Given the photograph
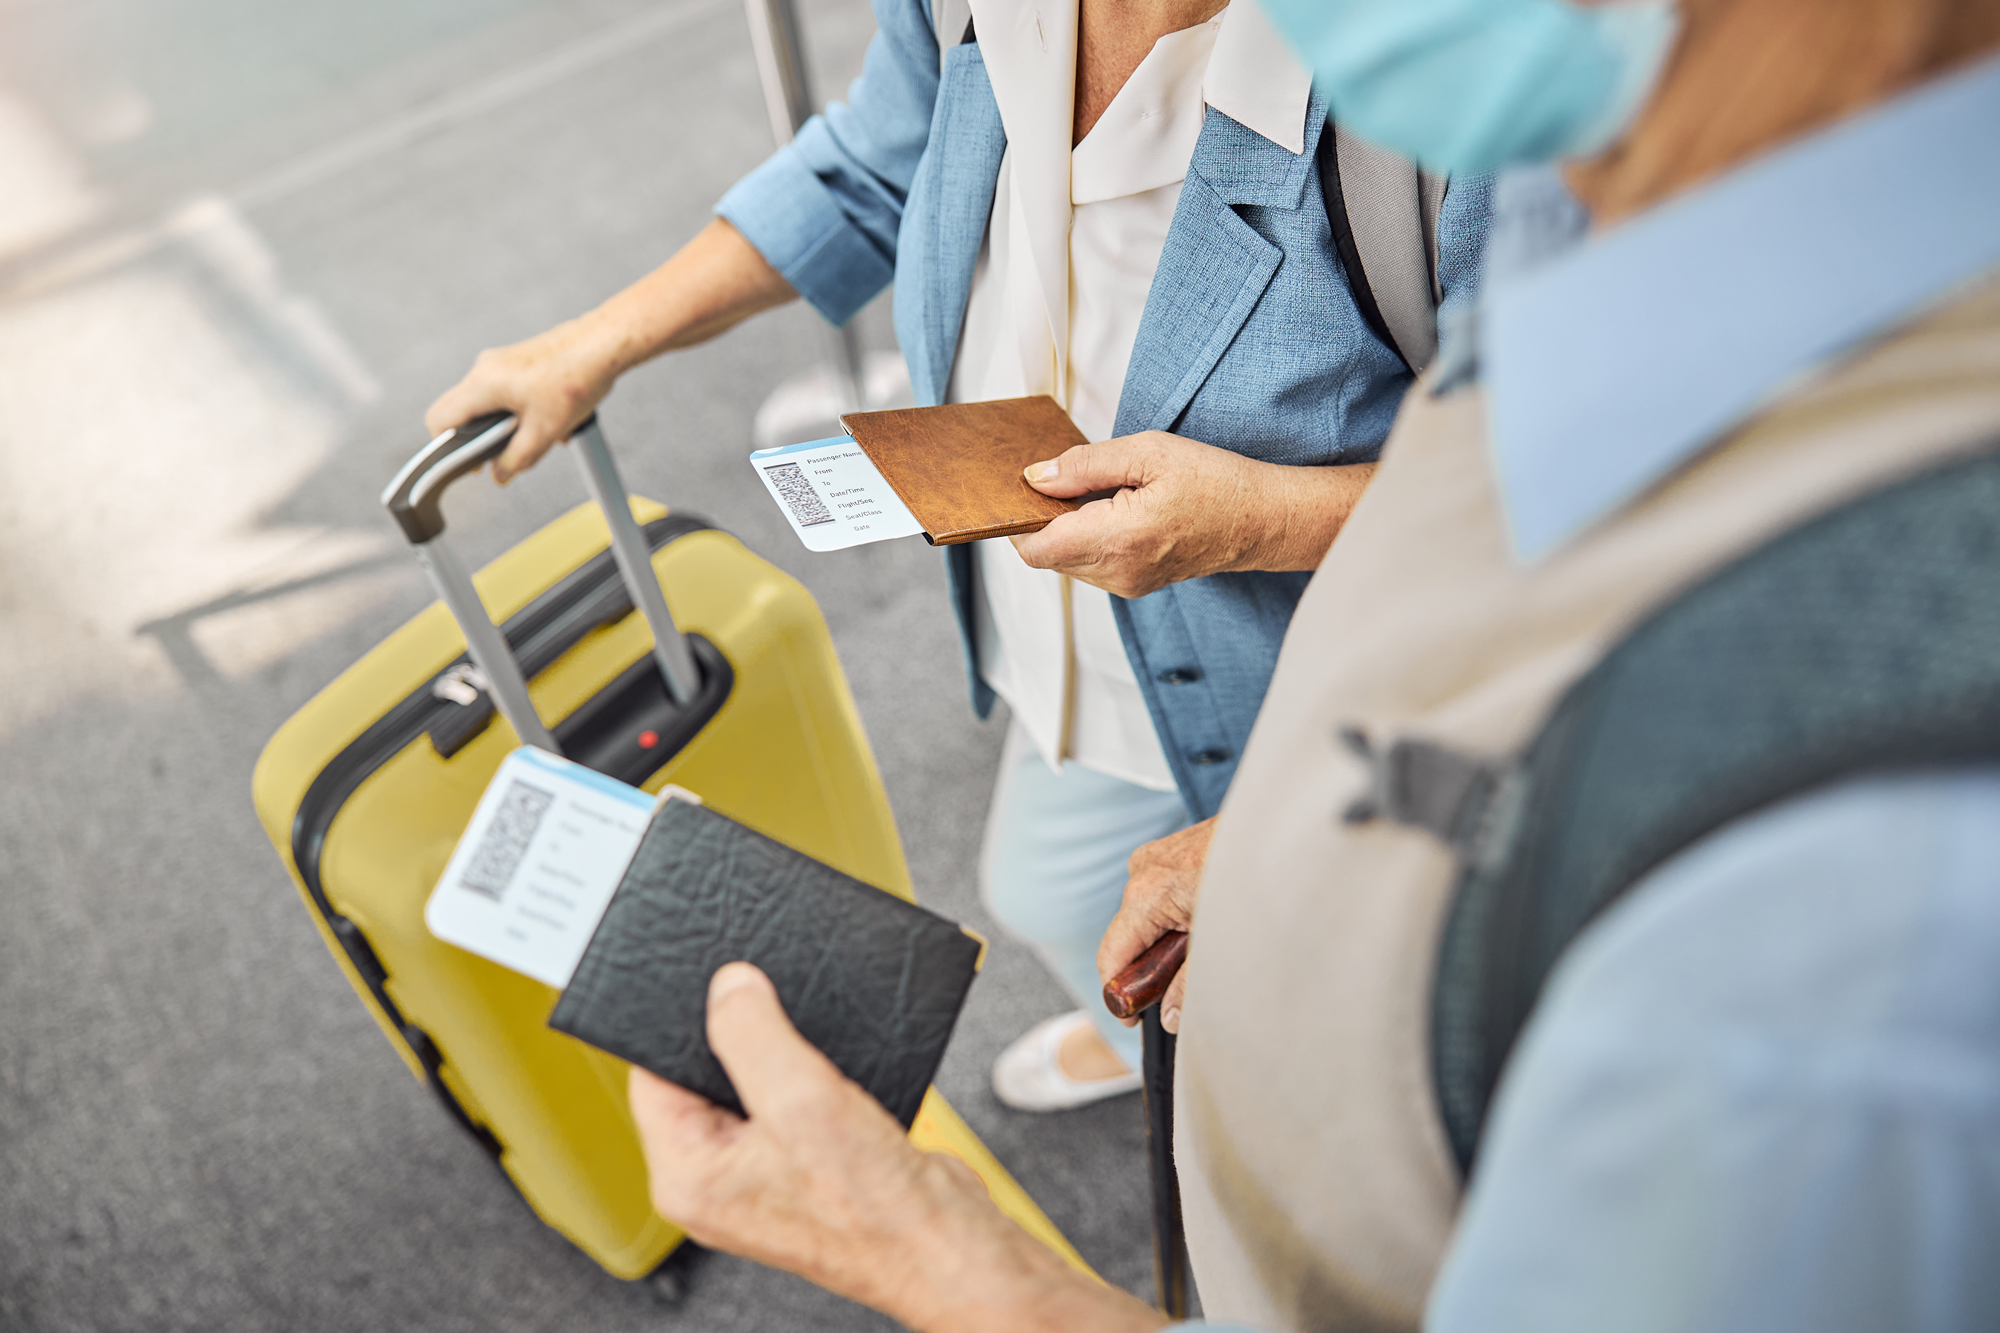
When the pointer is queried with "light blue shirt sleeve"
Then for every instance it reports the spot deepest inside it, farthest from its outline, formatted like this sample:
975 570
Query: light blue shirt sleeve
824 209
1763 1092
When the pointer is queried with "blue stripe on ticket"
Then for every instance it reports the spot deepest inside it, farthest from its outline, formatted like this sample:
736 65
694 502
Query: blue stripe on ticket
589 777
784 449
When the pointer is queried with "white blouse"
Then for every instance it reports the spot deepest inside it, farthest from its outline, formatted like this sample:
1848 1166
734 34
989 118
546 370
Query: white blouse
1061 283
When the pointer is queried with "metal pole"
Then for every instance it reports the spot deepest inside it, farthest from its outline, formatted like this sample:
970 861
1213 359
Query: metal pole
850 378
781 68
781 65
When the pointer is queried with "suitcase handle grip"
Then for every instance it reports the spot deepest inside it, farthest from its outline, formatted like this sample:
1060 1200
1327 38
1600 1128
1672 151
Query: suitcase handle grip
415 500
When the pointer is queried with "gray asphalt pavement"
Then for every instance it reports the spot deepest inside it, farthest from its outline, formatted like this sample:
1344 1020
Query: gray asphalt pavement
241 247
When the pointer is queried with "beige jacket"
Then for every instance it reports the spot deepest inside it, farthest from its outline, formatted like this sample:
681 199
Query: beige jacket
1317 1184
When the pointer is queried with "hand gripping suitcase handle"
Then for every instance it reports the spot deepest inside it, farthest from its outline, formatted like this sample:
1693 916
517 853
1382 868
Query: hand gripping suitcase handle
414 499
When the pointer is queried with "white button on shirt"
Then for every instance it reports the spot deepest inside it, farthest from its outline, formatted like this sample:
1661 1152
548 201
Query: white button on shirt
1056 300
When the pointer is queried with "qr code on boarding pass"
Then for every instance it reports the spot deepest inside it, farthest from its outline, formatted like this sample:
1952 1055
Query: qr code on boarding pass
799 496
499 852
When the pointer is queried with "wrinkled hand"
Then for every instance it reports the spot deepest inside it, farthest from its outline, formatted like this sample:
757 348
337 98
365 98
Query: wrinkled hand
553 381
1180 509
1164 876
550 383
821 1181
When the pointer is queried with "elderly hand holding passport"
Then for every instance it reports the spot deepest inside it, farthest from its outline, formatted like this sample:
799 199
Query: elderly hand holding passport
1129 515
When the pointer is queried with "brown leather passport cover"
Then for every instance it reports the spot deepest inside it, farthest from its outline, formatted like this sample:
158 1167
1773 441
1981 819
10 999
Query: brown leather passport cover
873 981
958 467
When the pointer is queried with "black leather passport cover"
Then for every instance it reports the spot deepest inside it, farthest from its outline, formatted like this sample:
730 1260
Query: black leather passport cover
873 981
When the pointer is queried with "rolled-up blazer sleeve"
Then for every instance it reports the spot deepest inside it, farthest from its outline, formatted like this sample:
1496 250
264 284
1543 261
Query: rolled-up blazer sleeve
825 208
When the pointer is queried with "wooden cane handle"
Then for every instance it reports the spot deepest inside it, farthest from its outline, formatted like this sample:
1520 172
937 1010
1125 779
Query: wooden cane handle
1141 985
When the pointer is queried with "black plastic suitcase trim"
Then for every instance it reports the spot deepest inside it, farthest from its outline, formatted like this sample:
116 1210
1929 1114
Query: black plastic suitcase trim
589 596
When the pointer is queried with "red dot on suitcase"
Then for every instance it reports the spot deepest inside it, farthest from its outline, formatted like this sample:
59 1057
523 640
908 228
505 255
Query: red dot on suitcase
648 739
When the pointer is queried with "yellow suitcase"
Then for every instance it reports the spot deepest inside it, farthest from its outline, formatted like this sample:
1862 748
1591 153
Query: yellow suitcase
738 697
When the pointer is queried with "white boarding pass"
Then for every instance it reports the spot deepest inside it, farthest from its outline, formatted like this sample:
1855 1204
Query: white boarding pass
538 864
832 494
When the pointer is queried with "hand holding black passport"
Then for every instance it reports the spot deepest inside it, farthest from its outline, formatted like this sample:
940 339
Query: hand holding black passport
873 981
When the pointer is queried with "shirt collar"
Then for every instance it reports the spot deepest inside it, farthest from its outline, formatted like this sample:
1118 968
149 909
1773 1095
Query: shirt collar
1254 79
1146 137
1252 76
1609 366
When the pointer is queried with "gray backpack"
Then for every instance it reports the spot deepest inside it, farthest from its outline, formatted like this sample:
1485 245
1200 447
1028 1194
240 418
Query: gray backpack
1865 640
1384 215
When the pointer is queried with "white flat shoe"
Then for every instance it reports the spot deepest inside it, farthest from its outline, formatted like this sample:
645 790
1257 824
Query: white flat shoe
1028 1076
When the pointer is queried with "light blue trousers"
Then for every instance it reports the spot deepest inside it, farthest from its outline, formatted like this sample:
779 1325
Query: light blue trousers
1053 867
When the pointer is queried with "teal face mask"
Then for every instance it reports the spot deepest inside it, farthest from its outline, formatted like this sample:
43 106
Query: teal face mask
1473 85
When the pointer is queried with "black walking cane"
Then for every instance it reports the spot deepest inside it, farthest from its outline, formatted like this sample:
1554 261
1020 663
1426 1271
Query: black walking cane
1137 990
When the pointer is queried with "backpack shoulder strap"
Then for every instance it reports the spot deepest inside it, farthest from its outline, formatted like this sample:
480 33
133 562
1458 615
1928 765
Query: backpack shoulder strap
1430 194
1862 641
1383 214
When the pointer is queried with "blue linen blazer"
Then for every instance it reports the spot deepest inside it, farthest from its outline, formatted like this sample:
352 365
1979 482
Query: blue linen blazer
1250 339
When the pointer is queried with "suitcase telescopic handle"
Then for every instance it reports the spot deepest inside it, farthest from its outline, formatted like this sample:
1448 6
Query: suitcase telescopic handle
415 500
